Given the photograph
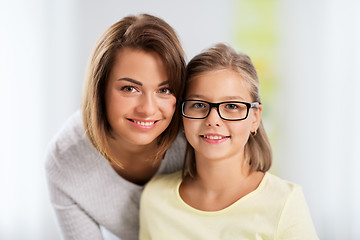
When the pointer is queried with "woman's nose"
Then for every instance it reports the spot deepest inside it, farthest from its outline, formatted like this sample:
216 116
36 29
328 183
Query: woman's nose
147 105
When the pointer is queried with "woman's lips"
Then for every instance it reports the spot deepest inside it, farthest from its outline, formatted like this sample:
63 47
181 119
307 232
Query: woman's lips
144 124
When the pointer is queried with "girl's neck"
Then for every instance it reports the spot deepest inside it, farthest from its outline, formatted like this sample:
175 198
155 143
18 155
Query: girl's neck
218 184
221 174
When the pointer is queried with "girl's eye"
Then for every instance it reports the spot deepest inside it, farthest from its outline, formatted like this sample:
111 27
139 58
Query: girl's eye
198 105
128 89
165 90
232 106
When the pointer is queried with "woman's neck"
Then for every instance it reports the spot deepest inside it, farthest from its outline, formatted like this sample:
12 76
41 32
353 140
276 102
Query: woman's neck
134 163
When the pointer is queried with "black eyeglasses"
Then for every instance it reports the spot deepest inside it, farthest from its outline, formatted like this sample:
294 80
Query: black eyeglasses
230 111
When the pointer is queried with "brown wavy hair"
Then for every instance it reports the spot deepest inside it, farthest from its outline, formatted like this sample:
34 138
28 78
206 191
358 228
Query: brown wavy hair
258 153
142 32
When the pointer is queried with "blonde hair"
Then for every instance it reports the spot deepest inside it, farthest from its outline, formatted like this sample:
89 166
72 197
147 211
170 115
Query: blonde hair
143 32
258 153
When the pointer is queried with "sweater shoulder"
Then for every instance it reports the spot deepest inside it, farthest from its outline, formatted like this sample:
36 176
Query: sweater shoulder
174 157
70 134
68 145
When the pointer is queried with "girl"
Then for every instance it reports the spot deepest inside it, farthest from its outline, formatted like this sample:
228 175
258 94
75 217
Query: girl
225 191
125 134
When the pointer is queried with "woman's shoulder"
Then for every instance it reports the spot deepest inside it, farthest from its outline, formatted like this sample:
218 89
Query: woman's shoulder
70 134
179 145
174 157
69 144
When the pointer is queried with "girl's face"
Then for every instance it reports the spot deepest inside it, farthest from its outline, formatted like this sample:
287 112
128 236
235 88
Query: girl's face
139 103
213 137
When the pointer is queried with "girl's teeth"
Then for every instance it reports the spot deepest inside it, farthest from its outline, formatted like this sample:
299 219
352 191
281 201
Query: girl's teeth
213 137
144 123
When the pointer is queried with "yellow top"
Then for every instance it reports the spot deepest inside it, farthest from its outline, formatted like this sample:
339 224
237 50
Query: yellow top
275 210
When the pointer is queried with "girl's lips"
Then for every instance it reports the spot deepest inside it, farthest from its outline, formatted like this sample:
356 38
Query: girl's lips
214 138
143 124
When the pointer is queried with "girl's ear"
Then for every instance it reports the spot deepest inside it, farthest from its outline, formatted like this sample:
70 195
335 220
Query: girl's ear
257 118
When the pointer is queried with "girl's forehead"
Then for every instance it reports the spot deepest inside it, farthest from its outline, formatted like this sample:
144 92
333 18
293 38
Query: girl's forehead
218 84
220 75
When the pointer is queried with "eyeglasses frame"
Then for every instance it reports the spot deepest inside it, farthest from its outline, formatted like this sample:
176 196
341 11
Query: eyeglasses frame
216 105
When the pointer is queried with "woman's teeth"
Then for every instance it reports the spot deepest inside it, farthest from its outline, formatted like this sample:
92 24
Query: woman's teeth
144 123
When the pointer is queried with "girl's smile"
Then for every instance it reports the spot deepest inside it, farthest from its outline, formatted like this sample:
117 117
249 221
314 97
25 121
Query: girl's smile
214 138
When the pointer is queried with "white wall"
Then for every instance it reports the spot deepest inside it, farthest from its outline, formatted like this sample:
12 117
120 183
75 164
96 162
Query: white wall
318 107
44 48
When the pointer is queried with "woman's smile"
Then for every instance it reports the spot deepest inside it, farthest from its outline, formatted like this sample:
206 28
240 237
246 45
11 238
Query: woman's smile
144 124
139 102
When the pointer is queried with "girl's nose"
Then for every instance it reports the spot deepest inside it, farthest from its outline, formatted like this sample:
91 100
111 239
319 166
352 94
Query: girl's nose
214 118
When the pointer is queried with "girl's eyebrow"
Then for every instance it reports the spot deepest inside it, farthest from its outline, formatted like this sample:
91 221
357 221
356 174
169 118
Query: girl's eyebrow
233 98
195 96
226 98
138 82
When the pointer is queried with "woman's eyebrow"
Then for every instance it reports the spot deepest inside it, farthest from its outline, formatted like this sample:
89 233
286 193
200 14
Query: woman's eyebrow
163 83
140 83
130 80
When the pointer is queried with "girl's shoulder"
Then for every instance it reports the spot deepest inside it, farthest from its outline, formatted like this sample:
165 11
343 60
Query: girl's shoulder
278 182
165 181
288 201
274 187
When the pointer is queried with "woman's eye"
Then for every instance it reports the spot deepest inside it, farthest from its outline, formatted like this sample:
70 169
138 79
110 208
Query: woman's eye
128 89
165 90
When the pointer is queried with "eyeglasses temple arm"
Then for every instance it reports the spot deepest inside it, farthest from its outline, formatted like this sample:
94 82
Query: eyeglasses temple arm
254 105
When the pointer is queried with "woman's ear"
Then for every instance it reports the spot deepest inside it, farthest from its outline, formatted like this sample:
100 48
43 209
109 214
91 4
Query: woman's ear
257 118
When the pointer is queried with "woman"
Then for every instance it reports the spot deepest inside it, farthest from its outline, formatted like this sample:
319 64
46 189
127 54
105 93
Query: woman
126 133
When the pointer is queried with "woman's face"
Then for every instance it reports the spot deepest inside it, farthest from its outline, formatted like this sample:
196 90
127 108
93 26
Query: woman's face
139 103
213 137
